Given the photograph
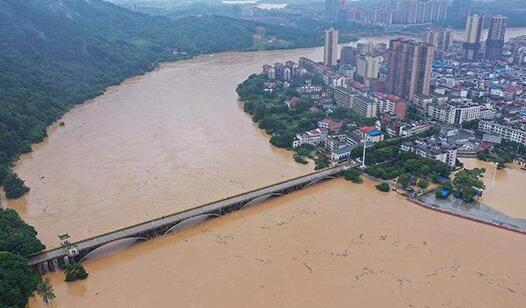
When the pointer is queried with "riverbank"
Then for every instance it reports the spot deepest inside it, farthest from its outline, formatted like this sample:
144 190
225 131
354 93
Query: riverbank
474 211
504 188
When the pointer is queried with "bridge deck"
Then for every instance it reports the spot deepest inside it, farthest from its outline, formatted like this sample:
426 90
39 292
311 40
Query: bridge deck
171 219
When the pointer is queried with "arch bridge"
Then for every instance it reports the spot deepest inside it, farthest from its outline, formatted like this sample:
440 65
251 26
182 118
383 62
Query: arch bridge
51 259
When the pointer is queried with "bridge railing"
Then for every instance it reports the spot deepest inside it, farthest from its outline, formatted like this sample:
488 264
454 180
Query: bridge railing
190 209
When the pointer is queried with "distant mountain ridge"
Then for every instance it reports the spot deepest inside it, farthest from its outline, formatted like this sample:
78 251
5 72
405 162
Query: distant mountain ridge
57 53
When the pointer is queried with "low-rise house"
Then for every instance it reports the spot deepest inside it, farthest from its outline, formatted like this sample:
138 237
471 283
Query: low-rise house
269 86
329 124
487 113
292 102
372 134
454 113
507 132
342 153
432 149
415 128
312 137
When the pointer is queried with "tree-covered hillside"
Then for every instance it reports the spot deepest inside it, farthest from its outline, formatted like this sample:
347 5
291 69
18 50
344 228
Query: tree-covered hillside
57 53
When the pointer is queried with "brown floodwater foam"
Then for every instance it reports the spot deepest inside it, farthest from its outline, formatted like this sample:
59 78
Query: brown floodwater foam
335 244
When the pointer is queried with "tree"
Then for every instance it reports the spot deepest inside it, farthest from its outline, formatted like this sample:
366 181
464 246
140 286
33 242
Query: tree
321 162
75 271
4 171
404 180
14 187
466 183
353 175
423 184
300 159
45 290
384 186
17 282
16 236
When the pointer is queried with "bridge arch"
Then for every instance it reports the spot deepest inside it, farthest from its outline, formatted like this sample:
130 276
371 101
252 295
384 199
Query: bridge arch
86 255
260 199
190 220
328 177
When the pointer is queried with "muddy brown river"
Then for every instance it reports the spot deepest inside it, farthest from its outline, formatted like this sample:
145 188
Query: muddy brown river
176 138
504 188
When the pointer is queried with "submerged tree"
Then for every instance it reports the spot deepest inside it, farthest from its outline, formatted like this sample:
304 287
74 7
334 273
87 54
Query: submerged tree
14 187
75 272
384 186
45 290
354 176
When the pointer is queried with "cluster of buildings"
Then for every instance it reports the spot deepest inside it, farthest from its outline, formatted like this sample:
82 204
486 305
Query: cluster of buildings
404 12
408 86
494 42
419 11
433 149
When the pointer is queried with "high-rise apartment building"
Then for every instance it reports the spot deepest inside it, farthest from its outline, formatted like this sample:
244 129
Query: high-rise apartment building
365 48
441 39
364 106
419 11
473 36
368 67
410 64
495 40
348 55
330 52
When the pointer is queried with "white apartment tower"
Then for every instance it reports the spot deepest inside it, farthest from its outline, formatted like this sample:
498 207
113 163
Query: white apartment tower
473 36
330 52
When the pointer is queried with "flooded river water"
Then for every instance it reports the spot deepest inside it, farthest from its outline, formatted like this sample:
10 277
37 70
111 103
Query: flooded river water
176 138
156 144
336 244
504 188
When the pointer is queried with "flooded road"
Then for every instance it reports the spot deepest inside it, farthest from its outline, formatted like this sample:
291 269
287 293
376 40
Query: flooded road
176 138
504 188
335 244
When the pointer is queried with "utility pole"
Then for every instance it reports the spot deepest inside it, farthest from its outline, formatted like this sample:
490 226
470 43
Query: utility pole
494 175
363 156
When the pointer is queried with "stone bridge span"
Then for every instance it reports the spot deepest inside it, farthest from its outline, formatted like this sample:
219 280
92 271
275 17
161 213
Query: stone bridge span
50 260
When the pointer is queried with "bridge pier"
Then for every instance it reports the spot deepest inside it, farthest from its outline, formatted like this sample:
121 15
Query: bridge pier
53 259
53 265
68 260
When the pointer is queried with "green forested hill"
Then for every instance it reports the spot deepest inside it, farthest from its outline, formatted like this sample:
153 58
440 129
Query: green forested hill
57 53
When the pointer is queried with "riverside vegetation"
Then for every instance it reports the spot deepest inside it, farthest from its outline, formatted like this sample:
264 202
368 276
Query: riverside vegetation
268 109
17 282
55 54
